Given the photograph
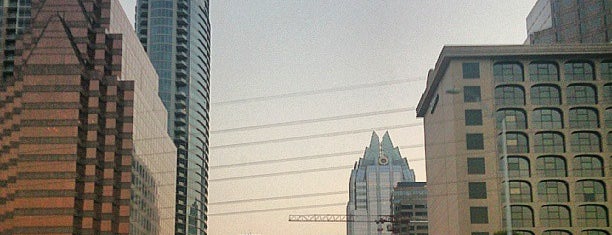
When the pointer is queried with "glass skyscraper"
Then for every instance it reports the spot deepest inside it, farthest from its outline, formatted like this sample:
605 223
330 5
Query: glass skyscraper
371 184
176 36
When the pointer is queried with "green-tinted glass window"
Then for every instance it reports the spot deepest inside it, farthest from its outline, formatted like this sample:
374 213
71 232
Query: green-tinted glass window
543 72
473 117
477 190
508 72
471 94
579 71
476 166
471 70
479 215
474 141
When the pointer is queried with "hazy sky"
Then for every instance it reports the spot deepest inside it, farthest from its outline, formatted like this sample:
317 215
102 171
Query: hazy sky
265 47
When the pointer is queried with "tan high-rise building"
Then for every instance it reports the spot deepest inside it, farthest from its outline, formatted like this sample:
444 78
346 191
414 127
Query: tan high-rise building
557 105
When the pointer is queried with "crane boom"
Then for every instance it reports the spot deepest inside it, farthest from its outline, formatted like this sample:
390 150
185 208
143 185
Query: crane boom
338 218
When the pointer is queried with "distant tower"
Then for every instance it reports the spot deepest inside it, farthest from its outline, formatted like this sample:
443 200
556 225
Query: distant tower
372 182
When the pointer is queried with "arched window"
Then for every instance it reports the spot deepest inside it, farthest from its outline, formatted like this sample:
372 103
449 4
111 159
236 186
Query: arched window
583 118
590 191
555 216
516 142
594 232
545 95
553 191
608 117
508 72
606 70
609 141
520 191
556 232
581 94
547 119
509 95
588 166
517 166
544 72
579 71
522 216
515 119
551 166
586 142
592 216
549 142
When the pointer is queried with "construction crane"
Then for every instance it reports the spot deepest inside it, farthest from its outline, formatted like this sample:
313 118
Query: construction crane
382 219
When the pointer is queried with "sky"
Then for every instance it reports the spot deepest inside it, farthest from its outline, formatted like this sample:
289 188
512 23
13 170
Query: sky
274 47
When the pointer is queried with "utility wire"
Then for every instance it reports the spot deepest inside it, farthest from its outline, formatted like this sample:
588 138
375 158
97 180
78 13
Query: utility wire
279 198
329 134
314 120
317 92
278 209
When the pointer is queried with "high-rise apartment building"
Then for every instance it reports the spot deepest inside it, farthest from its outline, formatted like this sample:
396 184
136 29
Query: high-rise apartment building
371 184
409 208
570 21
557 106
154 167
176 36
66 127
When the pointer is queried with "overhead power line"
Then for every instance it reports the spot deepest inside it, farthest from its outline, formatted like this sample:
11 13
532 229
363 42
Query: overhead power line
314 120
279 198
316 92
329 134
278 209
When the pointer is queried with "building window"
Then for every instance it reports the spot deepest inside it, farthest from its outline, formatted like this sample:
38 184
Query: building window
522 216
509 95
553 191
543 72
592 216
479 215
606 70
608 117
586 142
474 141
520 191
588 166
473 117
480 233
515 119
547 119
549 142
545 95
590 191
556 232
517 166
581 94
476 166
607 94
520 232
508 72
515 143
471 70
579 71
477 190
551 166
471 94
583 118
555 216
